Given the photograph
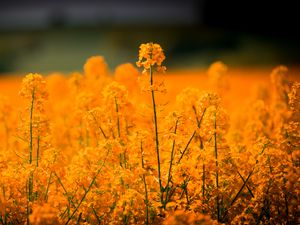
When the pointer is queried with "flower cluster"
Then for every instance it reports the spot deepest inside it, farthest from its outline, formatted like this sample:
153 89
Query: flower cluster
151 55
100 150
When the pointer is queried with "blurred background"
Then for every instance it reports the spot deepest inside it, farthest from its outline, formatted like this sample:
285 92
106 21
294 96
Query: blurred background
59 35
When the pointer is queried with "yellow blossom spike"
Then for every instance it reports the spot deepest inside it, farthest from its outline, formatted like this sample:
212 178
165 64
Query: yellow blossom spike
151 55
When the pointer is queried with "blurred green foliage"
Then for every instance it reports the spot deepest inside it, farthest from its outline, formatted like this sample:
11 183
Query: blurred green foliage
66 49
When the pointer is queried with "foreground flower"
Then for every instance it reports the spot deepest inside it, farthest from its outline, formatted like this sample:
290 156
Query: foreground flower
151 55
34 87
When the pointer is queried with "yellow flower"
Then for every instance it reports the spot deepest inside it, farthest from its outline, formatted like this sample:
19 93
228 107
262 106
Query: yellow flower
34 90
151 55
33 84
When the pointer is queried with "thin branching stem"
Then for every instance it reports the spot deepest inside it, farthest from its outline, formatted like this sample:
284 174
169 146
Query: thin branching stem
87 190
156 135
79 218
48 185
70 199
118 118
186 147
99 126
244 184
203 181
249 190
237 195
31 126
61 184
30 180
199 122
38 150
170 166
96 215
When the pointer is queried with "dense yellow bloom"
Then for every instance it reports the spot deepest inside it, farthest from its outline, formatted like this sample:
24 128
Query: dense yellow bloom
151 55
209 99
115 90
87 156
33 85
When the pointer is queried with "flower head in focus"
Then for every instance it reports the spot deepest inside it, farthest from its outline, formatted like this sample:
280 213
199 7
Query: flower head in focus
34 89
151 55
33 83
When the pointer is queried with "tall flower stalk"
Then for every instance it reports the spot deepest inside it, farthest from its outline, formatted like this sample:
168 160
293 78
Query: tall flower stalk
33 90
151 56
156 133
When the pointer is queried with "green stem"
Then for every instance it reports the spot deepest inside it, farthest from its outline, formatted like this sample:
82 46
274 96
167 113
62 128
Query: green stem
30 187
96 215
237 195
87 190
186 147
199 122
38 151
61 184
48 185
79 218
156 136
244 183
118 119
111 129
31 127
30 180
170 166
184 189
201 118
100 128
203 181
217 170
187 196
70 200
249 190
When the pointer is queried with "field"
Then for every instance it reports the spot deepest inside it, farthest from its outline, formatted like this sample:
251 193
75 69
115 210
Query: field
141 145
